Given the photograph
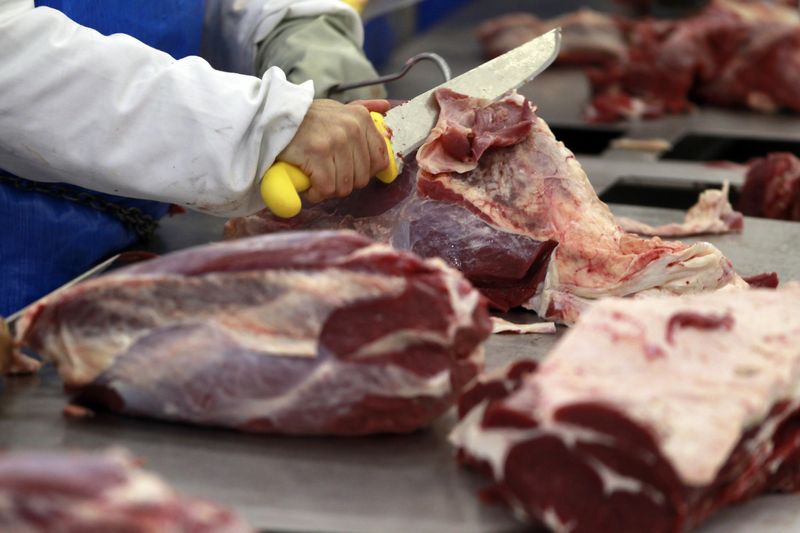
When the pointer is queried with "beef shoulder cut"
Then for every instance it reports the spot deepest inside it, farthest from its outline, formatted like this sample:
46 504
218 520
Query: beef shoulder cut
649 415
300 333
83 492
497 196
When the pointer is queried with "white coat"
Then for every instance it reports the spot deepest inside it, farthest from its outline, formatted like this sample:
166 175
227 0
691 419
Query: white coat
111 114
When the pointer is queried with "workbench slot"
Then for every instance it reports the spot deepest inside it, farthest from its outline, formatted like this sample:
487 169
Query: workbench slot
720 148
591 141
660 192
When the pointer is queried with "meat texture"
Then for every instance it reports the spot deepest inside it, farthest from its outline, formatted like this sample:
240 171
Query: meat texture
772 187
588 37
649 415
712 214
499 198
732 53
94 492
300 333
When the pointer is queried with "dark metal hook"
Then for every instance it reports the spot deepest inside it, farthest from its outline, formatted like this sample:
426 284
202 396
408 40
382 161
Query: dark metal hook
444 68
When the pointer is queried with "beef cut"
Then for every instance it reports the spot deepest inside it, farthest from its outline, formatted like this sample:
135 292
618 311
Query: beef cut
60 492
712 214
649 415
300 333
498 197
732 53
772 187
588 37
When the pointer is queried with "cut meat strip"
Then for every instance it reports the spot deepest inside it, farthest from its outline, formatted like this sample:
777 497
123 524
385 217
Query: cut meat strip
302 333
712 213
648 416
524 224
500 325
82 492
772 187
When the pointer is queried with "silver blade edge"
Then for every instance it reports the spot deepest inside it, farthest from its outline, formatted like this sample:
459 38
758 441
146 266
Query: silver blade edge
411 122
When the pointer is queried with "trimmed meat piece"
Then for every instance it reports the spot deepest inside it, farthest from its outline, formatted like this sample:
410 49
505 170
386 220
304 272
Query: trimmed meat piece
712 214
84 492
299 333
649 415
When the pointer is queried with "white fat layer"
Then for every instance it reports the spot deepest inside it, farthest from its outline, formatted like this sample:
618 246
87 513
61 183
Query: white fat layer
551 519
500 325
493 444
332 384
696 394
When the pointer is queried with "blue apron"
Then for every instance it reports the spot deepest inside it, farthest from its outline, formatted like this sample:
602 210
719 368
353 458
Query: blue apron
52 233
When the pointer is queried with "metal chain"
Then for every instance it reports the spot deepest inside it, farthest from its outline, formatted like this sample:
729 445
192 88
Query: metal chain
132 217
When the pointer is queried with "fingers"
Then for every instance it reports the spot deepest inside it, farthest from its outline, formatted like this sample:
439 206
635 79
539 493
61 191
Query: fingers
338 147
379 106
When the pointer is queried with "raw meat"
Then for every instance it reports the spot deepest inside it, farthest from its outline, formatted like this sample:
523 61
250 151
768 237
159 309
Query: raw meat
732 53
522 223
649 415
712 214
772 187
588 37
98 492
300 333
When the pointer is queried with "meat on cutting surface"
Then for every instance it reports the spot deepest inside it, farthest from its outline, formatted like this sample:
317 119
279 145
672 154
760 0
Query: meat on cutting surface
712 214
588 37
499 198
300 333
649 415
732 53
772 187
84 492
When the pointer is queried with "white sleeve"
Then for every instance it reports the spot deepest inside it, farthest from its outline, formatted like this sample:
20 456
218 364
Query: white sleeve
233 28
114 115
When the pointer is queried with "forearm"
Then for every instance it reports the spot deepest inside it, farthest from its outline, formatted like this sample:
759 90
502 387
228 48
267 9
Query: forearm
234 28
113 115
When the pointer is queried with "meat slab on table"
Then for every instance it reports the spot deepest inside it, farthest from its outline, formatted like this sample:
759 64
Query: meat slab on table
498 197
732 53
772 187
649 415
83 492
300 333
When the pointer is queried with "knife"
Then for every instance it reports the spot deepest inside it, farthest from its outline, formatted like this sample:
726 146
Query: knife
411 123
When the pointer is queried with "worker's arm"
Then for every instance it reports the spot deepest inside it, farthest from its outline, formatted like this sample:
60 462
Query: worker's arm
319 40
113 115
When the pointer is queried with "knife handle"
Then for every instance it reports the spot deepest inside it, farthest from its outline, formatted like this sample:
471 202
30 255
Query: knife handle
283 181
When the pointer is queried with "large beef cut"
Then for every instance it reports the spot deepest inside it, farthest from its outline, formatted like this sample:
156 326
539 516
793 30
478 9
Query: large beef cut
772 187
733 53
499 198
649 415
301 333
84 492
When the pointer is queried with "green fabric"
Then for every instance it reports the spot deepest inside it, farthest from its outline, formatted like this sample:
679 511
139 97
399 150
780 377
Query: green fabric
319 49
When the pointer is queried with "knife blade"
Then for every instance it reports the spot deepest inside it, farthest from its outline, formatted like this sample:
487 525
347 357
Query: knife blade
407 126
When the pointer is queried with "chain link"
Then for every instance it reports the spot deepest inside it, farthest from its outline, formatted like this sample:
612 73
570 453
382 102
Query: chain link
132 217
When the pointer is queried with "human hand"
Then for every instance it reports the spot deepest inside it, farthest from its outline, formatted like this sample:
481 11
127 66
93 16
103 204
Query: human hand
338 147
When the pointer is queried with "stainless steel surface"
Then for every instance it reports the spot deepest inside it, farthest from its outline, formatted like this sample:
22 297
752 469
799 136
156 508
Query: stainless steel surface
412 122
388 484
412 483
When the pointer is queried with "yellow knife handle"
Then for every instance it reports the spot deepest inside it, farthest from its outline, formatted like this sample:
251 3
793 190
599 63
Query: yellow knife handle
279 188
283 181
